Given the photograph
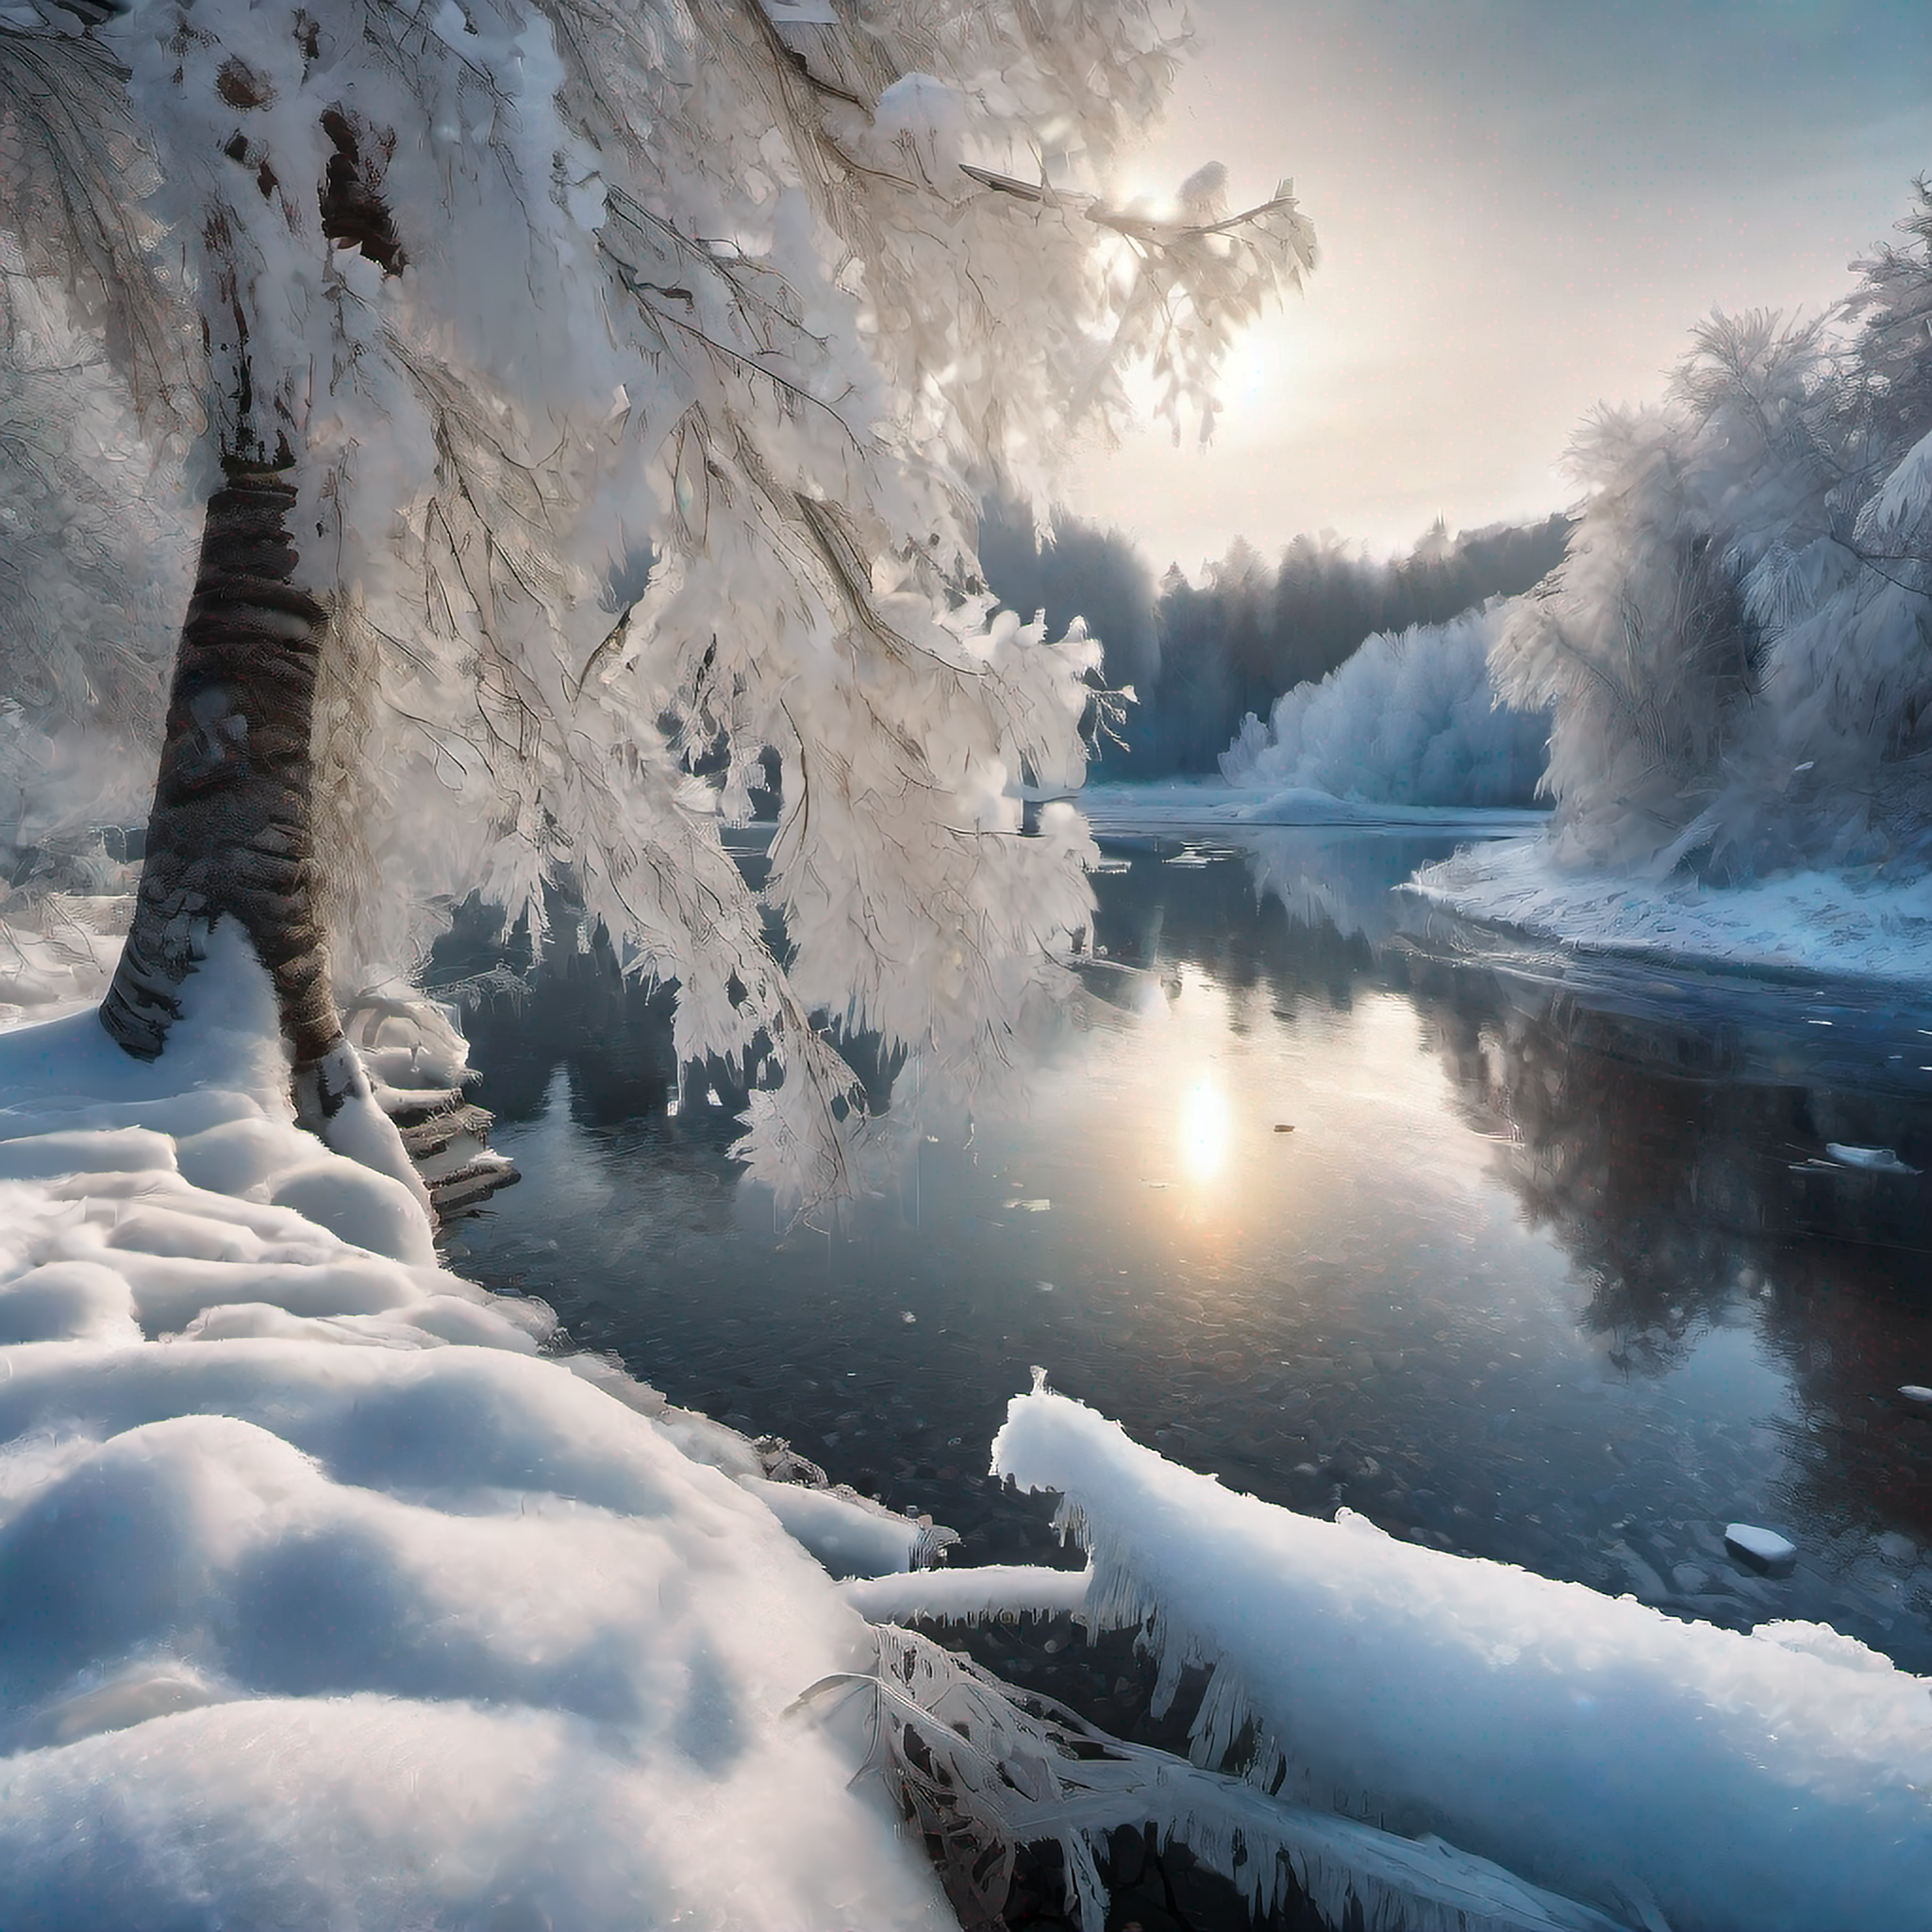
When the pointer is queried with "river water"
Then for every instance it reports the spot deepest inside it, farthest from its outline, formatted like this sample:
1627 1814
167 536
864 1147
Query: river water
1528 1257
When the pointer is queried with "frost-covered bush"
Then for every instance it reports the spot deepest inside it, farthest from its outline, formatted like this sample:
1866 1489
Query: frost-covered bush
1410 719
1736 645
1252 629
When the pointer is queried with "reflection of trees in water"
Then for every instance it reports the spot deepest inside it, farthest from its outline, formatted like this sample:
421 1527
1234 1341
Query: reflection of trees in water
612 1034
1850 1326
1675 1163
1206 916
1659 1182
1340 878
1684 1192
1301 921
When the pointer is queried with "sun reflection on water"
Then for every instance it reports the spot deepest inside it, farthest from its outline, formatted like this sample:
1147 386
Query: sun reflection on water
1206 1130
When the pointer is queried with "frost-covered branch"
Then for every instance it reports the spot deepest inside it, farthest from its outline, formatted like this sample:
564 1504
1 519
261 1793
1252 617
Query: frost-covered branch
536 298
1595 1746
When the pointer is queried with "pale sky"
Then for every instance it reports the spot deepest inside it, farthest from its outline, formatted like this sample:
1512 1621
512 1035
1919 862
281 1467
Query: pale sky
1522 207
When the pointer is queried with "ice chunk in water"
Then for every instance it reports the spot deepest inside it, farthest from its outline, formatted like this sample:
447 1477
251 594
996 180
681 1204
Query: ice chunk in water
1763 1549
1872 1160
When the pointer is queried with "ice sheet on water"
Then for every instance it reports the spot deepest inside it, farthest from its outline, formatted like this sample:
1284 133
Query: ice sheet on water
1733 1783
324 1599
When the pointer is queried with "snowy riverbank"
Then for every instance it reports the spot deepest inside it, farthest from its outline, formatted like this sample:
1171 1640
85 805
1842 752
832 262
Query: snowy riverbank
1809 921
325 1600
332 1591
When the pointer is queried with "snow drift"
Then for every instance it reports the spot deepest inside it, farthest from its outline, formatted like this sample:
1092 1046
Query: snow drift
1671 1773
1814 920
323 1598
1410 718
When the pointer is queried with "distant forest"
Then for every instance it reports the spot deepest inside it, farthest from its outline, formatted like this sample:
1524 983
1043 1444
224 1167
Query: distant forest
1201 656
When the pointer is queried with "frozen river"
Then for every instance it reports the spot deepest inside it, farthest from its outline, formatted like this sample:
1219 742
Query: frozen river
1531 1258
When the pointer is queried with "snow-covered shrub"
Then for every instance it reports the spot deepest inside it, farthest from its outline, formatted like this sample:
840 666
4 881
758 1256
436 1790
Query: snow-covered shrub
1736 646
1409 719
1640 640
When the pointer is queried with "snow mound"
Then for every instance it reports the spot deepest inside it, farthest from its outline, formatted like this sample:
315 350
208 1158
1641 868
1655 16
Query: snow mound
324 1599
1820 921
1727 1783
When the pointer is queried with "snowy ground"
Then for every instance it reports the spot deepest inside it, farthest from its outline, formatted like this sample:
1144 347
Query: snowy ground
329 1597
1811 922
1179 805
324 1600
58 950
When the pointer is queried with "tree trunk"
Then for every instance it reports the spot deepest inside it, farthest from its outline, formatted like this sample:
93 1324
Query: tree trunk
230 834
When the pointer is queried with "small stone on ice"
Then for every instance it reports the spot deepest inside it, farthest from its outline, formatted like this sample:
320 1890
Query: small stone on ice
1762 1550
1914 1392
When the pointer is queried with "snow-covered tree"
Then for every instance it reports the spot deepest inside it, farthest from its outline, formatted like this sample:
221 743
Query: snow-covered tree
93 535
589 388
1736 645
92 547
1409 719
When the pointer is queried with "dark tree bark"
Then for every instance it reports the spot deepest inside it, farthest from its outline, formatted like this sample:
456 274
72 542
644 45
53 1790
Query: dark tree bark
230 834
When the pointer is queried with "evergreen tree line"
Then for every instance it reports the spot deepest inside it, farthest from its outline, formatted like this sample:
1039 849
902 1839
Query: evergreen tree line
1200 657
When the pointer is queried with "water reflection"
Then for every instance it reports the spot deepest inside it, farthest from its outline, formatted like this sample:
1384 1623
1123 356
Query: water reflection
1554 1264
1205 1130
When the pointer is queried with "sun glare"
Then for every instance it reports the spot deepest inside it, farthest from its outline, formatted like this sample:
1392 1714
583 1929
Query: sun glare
1206 1130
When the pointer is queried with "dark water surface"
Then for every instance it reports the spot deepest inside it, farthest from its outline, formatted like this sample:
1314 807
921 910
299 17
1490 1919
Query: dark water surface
1553 1266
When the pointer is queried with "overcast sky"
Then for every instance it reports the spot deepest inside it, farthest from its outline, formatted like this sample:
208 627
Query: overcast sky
1523 207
